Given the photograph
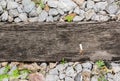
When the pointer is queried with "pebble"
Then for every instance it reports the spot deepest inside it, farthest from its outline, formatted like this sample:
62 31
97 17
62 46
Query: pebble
78 77
52 78
89 14
69 79
1 10
78 18
4 16
53 71
13 13
53 3
10 19
61 76
94 78
17 20
3 3
53 12
87 65
78 68
112 8
50 19
33 19
23 17
117 77
77 10
11 5
43 16
70 71
90 4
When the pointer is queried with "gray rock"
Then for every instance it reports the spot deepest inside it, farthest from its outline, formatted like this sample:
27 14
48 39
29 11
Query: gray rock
100 18
53 71
39 10
50 19
56 18
52 78
78 68
43 65
17 20
109 75
33 19
69 79
112 8
1 10
96 0
23 17
78 77
28 6
61 67
10 19
89 14
117 77
20 9
53 12
13 13
87 65
53 3
70 71
3 3
110 1
60 11
94 78
66 5
4 16
78 18
13 68
77 10
26 2
12 5
33 13
100 6
61 76
43 16
115 67
2 70
90 4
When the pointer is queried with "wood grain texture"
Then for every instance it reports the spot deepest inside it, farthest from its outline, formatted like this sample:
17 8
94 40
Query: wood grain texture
54 41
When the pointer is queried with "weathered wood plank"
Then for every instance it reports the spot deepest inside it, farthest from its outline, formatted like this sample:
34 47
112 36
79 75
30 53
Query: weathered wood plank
54 41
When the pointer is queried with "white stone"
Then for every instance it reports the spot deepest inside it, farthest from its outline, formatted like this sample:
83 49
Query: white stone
12 5
60 11
69 79
49 19
53 71
1 10
78 77
115 67
117 77
112 8
28 7
17 20
33 19
52 3
3 3
61 67
61 76
78 18
66 5
53 12
87 65
10 19
78 68
4 16
70 71
77 10
90 4
43 16
94 78
23 17
13 12
100 6
89 14
52 78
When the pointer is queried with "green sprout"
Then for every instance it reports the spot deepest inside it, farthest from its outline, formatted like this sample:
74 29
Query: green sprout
40 3
63 61
3 76
100 63
69 18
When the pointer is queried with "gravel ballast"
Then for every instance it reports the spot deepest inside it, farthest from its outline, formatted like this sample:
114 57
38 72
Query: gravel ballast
48 10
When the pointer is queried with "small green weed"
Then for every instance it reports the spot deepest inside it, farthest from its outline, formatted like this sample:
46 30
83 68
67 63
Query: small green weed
100 63
63 61
40 3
